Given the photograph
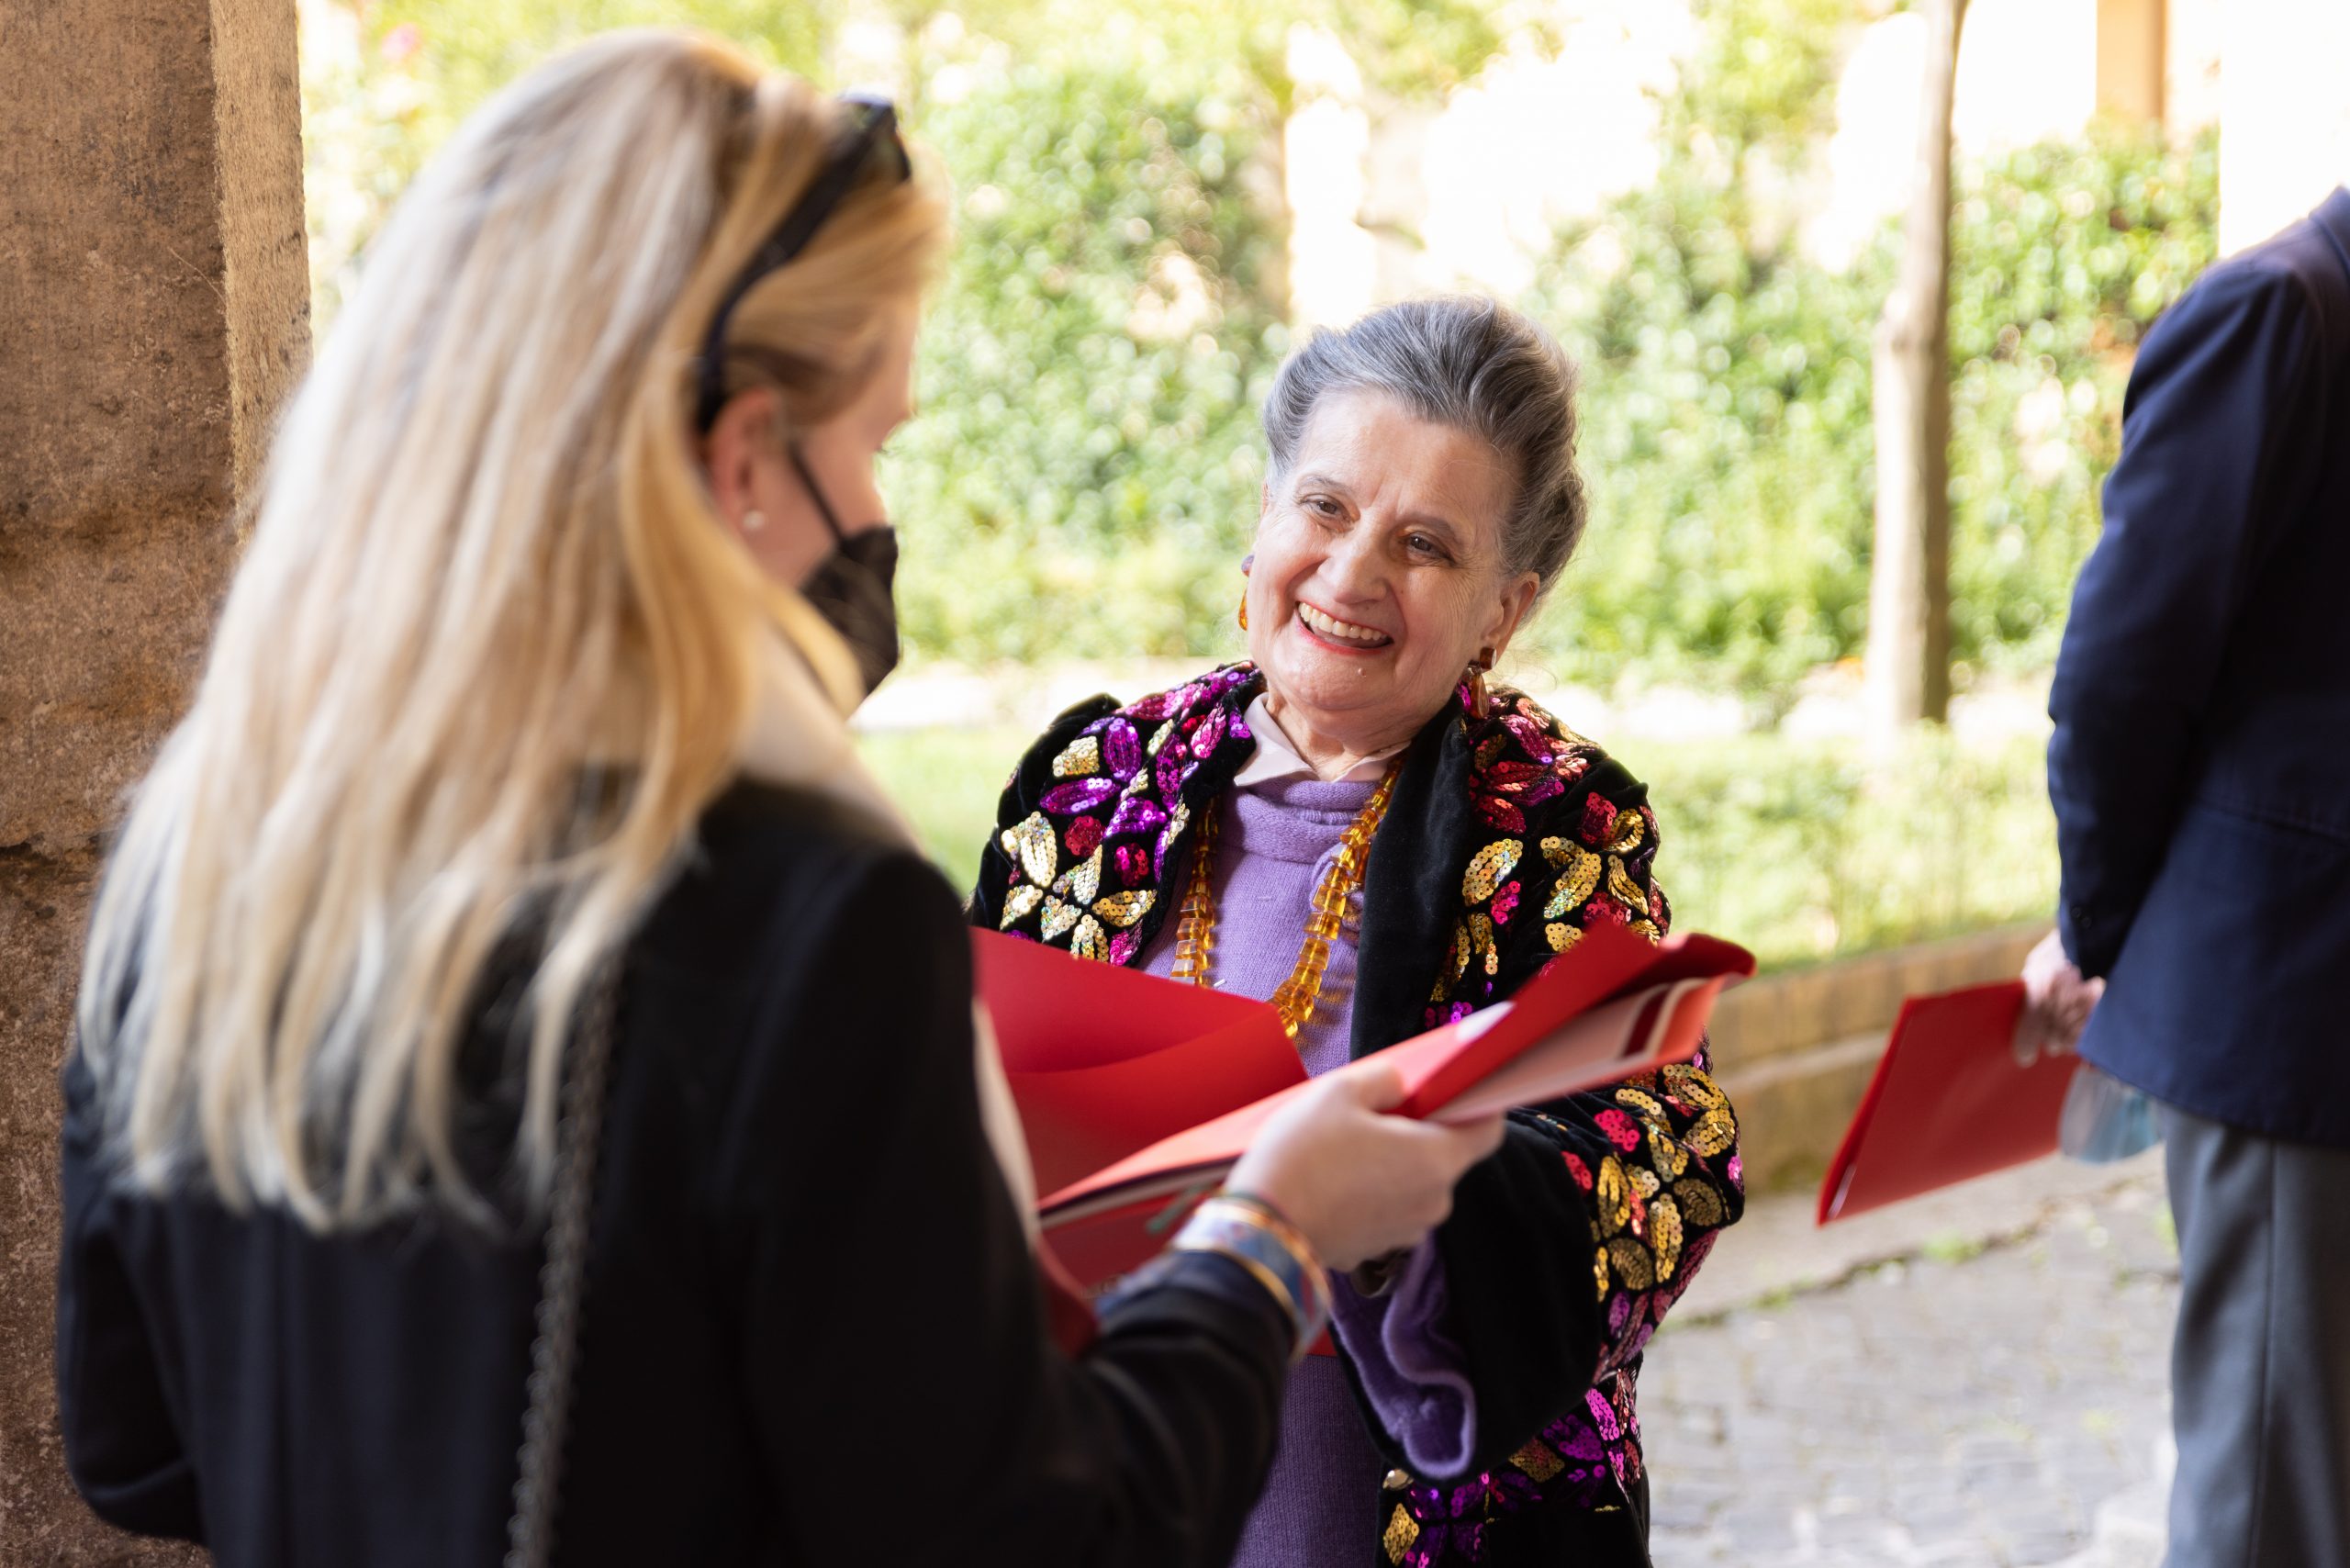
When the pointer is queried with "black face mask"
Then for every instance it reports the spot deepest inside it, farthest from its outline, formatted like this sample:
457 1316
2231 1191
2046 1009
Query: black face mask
850 588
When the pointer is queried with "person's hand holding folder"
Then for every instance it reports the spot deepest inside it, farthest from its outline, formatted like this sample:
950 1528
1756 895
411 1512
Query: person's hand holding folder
1129 1127
1356 1181
2057 1002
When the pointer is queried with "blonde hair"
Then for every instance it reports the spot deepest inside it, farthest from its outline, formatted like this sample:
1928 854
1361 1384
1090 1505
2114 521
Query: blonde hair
490 651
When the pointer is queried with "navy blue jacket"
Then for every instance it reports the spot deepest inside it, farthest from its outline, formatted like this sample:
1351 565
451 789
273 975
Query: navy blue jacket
2200 764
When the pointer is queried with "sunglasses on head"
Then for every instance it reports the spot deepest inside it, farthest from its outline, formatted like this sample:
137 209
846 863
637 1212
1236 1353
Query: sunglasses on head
873 127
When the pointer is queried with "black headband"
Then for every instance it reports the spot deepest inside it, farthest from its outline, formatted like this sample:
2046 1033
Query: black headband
874 125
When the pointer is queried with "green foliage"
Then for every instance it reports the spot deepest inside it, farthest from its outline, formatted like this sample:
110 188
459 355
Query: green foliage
1810 849
1727 406
2065 254
1725 444
1802 850
1760 78
1085 471
469 49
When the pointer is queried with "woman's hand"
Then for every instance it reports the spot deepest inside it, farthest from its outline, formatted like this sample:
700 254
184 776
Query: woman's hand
1356 1181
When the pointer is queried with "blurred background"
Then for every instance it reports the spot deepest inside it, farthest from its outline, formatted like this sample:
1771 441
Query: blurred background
1702 200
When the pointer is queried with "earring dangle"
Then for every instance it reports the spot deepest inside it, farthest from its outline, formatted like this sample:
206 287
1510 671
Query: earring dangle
754 521
1244 609
1481 702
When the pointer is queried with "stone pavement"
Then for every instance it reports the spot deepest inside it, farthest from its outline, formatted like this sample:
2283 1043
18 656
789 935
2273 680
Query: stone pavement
1976 1380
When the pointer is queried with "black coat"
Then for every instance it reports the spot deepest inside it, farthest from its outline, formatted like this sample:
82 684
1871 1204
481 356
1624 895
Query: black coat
811 1330
2200 762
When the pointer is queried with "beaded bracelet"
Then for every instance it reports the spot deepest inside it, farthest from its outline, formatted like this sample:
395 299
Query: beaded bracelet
1253 1234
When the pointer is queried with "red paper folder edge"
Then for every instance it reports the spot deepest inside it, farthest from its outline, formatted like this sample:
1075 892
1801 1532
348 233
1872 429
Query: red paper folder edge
1840 1169
1550 999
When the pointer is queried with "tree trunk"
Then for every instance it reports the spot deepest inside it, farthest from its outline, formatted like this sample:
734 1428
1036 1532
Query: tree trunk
1908 651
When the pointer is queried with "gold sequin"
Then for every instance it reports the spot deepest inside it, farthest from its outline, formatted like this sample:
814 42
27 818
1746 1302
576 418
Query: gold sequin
1613 1195
1715 1129
1715 1133
1399 1535
1562 936
1082 757
1664 1236
1664 1151
1625 891
1538 1460
1035 843
1058 917
1625 837
1487 868
1481 938
1640 1105
1578 875
1648 929
1685 1082
1019 902
1699 1203
1091 941
1599 1273
1632 1263
1082 880
1124 909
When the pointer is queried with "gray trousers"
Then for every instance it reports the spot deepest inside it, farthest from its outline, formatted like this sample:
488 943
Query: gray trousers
2260 1370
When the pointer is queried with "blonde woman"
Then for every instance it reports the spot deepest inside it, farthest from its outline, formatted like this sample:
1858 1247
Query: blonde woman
513 862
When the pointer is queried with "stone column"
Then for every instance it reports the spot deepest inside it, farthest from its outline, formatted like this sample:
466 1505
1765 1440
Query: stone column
153 309
2133 58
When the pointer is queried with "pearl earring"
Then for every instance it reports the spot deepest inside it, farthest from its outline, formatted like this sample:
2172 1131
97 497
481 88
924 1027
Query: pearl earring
754 521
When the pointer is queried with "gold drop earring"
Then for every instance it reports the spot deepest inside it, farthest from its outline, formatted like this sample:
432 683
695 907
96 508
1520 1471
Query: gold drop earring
1481 702
1246 562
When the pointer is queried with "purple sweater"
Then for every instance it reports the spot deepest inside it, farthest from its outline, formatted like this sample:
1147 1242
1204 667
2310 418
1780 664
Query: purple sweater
1275 841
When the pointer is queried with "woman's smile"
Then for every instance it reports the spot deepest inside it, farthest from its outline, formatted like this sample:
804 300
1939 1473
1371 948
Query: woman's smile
1342 636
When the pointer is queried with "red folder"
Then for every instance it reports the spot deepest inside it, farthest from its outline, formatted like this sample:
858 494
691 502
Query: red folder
1950 1101
1106 1060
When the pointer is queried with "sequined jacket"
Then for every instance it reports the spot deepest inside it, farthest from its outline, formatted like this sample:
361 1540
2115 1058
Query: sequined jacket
1505 839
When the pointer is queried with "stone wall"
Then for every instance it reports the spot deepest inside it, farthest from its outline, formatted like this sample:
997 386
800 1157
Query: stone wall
153 311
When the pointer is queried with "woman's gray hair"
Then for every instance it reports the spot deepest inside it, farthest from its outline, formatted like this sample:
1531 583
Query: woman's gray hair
1477 366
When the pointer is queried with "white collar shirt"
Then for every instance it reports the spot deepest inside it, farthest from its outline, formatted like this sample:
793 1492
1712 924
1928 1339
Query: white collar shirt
1276 759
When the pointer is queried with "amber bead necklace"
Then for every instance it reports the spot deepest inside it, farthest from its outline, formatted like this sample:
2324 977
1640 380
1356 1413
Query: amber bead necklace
1196 925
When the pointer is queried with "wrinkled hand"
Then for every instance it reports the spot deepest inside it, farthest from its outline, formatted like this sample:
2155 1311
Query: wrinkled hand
2057 1002
1356 1181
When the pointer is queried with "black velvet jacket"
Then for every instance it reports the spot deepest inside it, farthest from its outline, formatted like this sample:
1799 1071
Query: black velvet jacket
813 1332
1506 838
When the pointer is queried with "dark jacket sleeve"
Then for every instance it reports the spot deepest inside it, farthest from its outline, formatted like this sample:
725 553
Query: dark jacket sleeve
2213 451
123 1447
1567 1247
896 1339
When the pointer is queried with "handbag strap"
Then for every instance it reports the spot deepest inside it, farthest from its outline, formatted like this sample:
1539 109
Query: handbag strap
562 1279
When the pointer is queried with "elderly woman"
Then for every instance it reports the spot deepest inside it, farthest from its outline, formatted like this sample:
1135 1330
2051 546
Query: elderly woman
1354 824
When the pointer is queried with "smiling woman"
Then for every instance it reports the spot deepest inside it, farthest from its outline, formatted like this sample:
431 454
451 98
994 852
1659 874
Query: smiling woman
1380 575
1351 826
